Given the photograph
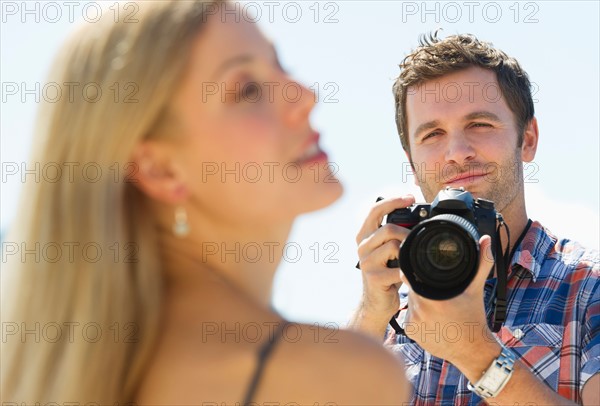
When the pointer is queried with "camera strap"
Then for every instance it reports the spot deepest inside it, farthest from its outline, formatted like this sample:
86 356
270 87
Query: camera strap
503 266
399 330
502 263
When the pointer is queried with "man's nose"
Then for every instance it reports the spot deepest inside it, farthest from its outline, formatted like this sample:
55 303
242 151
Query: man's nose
459 149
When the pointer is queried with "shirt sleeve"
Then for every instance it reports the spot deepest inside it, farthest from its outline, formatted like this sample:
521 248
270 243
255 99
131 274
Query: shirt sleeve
391 338
590 352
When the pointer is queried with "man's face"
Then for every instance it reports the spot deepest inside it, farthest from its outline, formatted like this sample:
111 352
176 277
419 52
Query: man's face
462 133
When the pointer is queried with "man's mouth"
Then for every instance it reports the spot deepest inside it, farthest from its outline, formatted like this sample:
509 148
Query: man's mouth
465 178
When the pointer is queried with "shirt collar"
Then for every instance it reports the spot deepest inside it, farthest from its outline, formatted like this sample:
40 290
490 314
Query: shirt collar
533 249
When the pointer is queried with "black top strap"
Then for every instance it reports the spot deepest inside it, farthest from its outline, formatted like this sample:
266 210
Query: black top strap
502 271
263 355
502 259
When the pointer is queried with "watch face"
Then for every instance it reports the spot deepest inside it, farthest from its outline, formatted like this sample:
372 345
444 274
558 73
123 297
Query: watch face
496 376
493 381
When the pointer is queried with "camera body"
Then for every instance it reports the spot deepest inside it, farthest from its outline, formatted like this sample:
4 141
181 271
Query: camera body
440 256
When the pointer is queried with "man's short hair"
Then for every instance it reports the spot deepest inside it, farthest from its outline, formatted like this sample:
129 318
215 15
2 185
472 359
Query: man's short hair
435 58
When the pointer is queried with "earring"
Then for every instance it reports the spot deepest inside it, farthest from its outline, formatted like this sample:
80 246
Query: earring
181 228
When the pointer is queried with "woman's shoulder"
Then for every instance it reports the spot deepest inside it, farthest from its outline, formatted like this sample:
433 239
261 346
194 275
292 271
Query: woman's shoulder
307 364
331 342
338 366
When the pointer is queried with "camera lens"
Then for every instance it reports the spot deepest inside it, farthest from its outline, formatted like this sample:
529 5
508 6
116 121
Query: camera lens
444 251
440 256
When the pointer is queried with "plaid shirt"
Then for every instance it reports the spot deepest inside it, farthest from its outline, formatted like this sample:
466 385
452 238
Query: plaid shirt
552 323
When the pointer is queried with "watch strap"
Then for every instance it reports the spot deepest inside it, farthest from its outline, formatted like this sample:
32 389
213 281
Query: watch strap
496 377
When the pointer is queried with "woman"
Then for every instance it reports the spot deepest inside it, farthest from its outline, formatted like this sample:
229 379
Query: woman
175 309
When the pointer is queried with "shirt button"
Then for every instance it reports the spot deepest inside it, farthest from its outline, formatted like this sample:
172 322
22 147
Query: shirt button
518 334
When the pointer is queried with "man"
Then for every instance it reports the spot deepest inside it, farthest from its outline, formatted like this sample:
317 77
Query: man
466 119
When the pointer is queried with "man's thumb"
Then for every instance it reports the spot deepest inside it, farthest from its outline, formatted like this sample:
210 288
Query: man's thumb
486 263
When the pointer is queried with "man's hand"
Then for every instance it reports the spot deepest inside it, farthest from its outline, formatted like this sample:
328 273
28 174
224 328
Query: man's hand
455 329
377 245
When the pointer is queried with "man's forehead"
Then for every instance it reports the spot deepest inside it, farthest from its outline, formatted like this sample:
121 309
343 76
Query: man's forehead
457 91
469 78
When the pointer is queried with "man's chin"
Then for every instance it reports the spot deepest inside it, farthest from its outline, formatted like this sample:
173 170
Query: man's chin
476 190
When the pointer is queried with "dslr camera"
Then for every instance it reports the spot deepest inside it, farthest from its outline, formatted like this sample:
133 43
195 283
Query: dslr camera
440 255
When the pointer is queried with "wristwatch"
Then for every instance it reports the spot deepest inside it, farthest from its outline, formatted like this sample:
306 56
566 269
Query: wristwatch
496 377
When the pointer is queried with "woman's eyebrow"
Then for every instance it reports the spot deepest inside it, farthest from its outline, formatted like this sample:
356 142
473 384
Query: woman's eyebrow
243 59
231 62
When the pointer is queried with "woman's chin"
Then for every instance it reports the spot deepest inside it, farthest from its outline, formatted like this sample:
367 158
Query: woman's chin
325 196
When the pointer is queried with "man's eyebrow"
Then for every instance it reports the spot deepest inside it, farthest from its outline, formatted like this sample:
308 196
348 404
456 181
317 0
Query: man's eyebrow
486 115
242 59
482 115
426 126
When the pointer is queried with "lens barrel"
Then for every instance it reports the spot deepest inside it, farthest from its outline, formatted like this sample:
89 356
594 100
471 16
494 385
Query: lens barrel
440 256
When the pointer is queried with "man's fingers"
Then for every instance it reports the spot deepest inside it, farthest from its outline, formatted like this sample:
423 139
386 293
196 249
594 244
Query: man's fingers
382 236
379 257
384 278
379 210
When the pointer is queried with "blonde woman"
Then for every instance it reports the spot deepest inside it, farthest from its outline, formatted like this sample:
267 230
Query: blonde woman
131 298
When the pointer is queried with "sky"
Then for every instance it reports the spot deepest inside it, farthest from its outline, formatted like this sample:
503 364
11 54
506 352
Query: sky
348 52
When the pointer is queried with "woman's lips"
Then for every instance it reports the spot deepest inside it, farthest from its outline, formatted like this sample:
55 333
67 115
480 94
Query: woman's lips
313 154
312 151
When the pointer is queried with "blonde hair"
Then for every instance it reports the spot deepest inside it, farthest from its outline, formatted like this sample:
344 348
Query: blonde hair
81 300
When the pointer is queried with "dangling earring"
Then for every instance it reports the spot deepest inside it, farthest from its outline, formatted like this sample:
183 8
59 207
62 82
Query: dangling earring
181 228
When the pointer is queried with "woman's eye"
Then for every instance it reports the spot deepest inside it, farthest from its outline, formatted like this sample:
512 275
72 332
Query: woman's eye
251 92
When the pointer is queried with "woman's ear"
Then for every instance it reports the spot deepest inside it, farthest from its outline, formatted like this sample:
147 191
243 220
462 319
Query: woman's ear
156 173
530 141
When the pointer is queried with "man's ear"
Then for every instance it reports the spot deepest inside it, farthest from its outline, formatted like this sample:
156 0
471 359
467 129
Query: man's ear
156 174
530 141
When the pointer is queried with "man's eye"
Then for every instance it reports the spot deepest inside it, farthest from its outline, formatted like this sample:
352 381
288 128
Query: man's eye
430 135
481 125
